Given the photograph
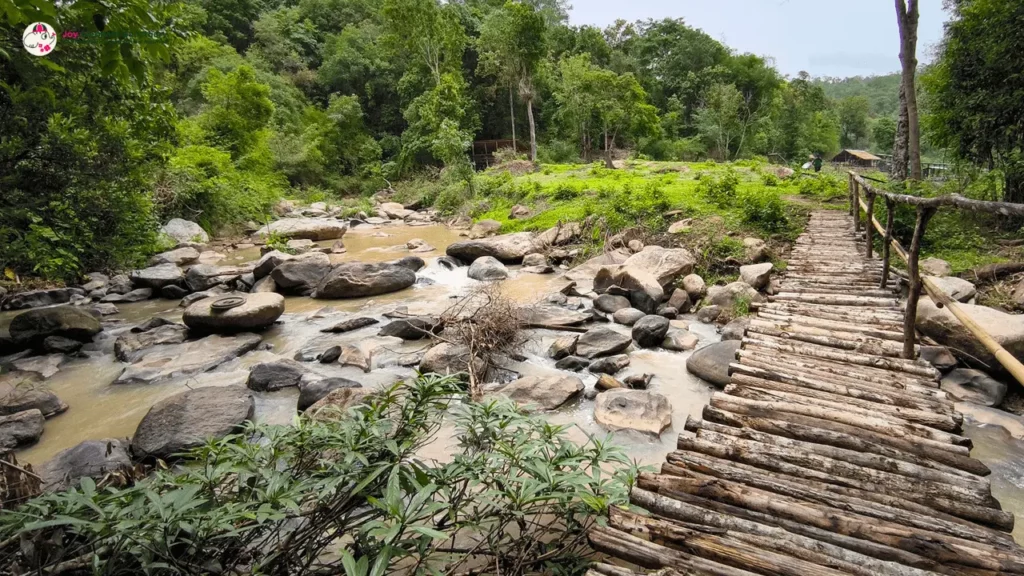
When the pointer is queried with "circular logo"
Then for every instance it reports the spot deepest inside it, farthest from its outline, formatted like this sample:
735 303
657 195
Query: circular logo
39 39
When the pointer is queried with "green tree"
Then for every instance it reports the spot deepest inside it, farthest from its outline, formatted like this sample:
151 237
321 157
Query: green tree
238 109
428 32
576 99
975 89
511 46
231 21
621 108
853 121
883 134
718 119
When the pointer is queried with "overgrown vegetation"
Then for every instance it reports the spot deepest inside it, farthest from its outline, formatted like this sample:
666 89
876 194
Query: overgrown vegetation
344 493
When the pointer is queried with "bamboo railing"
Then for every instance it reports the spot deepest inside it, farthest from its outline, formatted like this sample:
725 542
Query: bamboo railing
926 208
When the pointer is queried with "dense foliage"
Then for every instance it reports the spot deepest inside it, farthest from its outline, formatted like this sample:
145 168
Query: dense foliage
211 111
345 493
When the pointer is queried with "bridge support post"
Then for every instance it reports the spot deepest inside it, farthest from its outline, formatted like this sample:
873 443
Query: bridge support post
869 228
890 208
849 187
856 206
924 214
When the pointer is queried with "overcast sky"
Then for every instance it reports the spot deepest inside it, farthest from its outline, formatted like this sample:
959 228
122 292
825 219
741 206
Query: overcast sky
823 37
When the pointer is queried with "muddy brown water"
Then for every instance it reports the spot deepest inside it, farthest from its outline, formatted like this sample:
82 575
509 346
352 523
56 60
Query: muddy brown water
100 409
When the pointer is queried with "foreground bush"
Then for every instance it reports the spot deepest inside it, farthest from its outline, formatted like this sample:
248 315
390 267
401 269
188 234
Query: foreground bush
345 495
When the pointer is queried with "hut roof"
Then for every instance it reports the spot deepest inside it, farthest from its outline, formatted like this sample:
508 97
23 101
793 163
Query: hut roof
861 154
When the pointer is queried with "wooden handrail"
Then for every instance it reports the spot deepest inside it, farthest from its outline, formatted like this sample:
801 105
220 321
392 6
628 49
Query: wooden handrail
1007 360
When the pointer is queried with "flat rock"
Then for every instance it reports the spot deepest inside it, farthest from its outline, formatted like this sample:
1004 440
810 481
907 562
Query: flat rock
305 228
137 295
266 264
650 331
257 312
178 256
32 327
130 346
205 276
935 267
535 259
709 314
601 341
336 403
61 345
609 365
730 295
572 363
448 359
45 366
20 429
544 392
639 410
156 277
679 341
350 324
735 329
90 459
553 317
484 228
711 363
486 269
301 275
414 328
611 303
191 357
607 382
627 316
508 248
757 275
187 420
974 386
21 391
355 356
311 392
270 376
358 279
184 231
37 298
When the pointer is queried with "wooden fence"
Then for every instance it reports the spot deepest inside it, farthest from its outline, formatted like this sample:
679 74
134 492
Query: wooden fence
926 208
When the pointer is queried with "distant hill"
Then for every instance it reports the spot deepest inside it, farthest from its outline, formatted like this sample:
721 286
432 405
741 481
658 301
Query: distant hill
883 92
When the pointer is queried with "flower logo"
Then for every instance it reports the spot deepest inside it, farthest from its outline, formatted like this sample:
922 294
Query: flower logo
39 39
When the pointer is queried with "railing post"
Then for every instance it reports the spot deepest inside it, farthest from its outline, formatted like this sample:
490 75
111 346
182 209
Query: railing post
856 206
910 319
890 208
849 188
869 225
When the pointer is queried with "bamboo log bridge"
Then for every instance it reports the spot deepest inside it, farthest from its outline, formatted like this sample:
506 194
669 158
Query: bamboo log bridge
831 452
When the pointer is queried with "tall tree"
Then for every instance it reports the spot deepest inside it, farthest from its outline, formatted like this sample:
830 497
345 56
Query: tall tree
427 31
621 107
907 148
511 46
975 90
853 120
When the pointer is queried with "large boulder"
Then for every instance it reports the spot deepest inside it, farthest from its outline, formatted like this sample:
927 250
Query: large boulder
305 228
37 298
552 317
20 429
941 325
730 295
956 288
509 248
935 267
679 341
563 347
301 275
639 410
350 324
205 276
695 287
32 327
601 341
156 277
185 231
256 312
484 228
178 256
359 279
312 391
627 316
487 268
337 402
609 364
414 328
736 329
544 392
447 359
561 234
665 264
757 275
270 376
650 331
90 459
711 363
974 386
21 391
414 263
611 303
755 250
394 210
130 346
187 420
266 264
632 279
168 361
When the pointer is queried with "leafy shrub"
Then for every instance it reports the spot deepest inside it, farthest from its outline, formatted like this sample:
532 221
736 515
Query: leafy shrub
519 493
558 152
451 198
564 192
508 155
720 191
631 206
769 179
825 187
679 150
764 208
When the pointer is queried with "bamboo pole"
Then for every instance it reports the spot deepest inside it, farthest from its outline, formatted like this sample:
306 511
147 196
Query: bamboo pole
910 316
869 229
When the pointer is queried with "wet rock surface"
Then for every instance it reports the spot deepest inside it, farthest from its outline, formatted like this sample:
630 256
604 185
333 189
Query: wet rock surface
601 341
188 419
543 392
711 363
357 279
639 410
90 459
191 357
32 327
256 312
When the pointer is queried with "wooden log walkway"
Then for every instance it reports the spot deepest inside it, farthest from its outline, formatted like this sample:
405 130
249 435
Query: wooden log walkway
827 453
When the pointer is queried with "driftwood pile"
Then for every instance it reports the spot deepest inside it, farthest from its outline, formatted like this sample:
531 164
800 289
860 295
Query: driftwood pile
827 454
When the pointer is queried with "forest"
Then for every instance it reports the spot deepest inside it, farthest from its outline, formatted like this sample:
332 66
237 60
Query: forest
213 110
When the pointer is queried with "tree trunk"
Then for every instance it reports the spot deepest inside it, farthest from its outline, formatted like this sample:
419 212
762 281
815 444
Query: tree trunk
901 146
907 15
1013 190
607 151
512 114
533 131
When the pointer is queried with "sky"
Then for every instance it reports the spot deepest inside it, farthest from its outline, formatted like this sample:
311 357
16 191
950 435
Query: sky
822 37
